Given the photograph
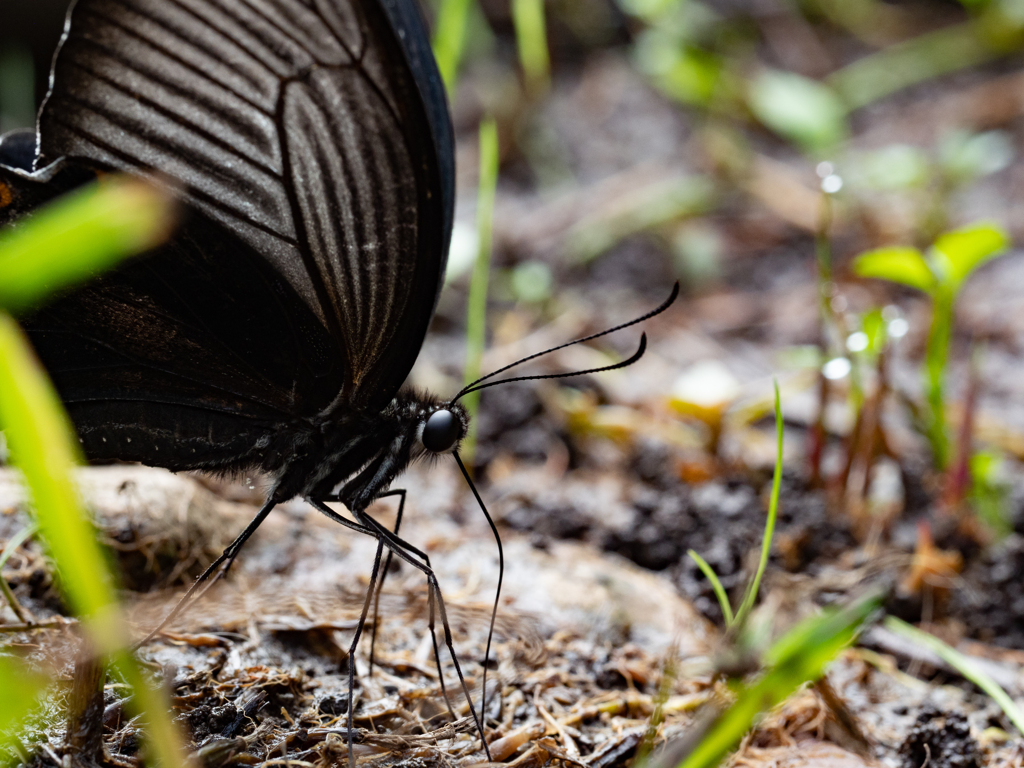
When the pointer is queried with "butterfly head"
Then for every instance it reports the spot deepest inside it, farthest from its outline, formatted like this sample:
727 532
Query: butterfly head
442 430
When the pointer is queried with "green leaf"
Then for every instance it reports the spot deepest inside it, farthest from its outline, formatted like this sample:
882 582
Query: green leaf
802 110
773 511
716 585
532 282
79 236
957 254
964 156
895 167
898 264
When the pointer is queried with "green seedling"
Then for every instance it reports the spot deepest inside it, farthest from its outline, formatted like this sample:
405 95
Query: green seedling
798 657
994 32
747 603
866 347
911 187
476 313
461 32
40 437
940 273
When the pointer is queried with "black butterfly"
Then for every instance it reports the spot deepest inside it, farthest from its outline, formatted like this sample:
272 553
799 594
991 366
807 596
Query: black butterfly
311 143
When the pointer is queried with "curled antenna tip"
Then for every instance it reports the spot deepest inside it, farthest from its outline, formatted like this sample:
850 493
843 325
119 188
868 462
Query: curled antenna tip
480 383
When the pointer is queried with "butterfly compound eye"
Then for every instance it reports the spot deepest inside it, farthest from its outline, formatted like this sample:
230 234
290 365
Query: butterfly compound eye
442 430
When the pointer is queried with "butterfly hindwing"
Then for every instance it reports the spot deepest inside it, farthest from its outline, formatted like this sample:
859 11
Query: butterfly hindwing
156 362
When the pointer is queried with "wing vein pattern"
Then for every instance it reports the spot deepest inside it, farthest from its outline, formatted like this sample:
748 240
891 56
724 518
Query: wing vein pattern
296 126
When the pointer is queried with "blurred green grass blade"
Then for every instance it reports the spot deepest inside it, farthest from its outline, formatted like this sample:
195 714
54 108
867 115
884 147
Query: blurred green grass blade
39 438
79 236
450 39
151 702
41 444
961 664
773 513
476 315
905 64
798 657
532 41
12 544
22 691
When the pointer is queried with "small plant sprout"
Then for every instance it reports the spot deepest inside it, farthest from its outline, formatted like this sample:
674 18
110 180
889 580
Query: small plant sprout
750 595
798 657
962 664
940 273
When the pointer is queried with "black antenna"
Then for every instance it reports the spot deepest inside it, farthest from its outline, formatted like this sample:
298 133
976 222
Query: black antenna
478 384
483 383
615 366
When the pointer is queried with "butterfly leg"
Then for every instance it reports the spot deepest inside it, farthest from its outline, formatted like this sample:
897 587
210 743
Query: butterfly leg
401 548
321 506
384 574
352 652
409 550
227 558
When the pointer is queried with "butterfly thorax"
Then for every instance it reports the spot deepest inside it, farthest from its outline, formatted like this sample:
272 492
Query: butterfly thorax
355 455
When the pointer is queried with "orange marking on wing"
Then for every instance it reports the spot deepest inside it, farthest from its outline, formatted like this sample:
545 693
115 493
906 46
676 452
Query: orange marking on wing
6 196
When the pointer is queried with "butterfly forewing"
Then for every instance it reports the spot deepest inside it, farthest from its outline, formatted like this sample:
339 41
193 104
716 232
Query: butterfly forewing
297 127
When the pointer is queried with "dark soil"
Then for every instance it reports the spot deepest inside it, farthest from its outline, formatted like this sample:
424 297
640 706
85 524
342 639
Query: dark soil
942 740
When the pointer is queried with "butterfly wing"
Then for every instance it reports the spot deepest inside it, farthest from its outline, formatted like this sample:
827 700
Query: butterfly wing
157 363
300 128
